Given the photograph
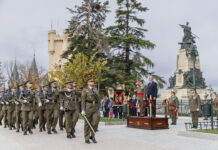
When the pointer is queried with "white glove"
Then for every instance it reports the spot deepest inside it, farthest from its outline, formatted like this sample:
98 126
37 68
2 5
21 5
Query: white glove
61 108
7 103
83 113
197 109
24 101
16 102
40 104
2 103
47 101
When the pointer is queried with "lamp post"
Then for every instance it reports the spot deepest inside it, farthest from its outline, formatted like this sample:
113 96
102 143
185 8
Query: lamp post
193 53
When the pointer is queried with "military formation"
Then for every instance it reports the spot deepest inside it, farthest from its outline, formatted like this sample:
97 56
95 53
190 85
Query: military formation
22 108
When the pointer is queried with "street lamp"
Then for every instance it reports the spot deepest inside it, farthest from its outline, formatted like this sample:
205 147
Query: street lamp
193 53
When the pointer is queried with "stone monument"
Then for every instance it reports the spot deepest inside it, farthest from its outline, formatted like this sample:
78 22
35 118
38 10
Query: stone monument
182 80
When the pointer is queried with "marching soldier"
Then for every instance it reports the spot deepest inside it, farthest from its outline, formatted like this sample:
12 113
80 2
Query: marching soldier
1 107
173 107
52 109
90 110
69 105
41 108
141 93
11 108
27 101
4 113
194 104
18 111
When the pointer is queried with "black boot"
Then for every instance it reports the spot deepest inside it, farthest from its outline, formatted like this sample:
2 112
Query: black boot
0 123
61 129
93 139
73 135
40 130
17 130
87 141
49 132
54 130
43 128
10 128
69 136
25 133
30 131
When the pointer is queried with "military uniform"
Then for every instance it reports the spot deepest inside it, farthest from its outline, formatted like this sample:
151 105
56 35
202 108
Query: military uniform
70 107
1 106
4 113
90 105
141 92
27 102
11 110
173 108
52 110
18 114
194 104
41 113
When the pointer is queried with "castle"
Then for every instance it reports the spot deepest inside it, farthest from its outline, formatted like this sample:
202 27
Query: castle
57 44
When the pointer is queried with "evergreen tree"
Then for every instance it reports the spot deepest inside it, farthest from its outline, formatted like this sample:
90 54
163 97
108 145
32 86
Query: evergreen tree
2 77
85 29
127 40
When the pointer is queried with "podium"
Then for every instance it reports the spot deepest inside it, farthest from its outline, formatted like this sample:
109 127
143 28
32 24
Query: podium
149 123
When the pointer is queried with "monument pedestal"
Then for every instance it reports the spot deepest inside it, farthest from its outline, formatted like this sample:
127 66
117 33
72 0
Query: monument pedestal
148 123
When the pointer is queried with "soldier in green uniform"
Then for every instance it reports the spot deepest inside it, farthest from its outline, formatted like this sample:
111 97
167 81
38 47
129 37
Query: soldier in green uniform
41 108
194 104
4 113
90 109
173 107
11 108
141 93
69 105
1 106
18 111
27 101
52 107
35 109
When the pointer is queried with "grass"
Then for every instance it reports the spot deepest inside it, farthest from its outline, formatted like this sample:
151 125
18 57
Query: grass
215 131
107 120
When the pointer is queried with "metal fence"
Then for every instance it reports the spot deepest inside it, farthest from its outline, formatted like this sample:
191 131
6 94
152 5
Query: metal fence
202 125
184 107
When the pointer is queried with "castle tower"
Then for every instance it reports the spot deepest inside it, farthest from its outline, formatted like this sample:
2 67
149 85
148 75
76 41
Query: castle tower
56 46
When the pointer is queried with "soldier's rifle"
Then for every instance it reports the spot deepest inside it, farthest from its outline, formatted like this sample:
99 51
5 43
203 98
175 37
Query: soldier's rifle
4 96
49 91
9 95
25 92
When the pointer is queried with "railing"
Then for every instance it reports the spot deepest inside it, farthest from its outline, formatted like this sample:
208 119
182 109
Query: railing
202 125
184 107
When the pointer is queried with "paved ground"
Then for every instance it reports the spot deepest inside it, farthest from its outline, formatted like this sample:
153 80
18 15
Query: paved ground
109 138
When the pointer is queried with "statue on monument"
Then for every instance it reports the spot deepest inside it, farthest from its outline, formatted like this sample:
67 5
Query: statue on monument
188 38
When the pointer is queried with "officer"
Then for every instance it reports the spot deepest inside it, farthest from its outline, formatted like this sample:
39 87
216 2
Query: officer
141 92
52 109
173 107
194 104
90 110
27 101
69 105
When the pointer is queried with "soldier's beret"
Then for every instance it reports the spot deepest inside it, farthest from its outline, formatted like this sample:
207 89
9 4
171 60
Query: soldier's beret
53 81
28 81
68 82
173 91
90 80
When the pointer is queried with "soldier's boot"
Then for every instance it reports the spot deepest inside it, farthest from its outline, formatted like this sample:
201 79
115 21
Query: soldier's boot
43 128
40 130
93 139
69 136
49 132
61 129
73 135
25 133
17 130
87 141
0 123
10 128
30 131
54 130
5 126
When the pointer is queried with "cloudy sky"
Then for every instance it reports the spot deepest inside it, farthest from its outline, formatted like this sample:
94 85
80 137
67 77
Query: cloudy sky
24 25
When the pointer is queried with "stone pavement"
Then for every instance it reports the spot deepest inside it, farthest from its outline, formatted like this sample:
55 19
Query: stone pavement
116 137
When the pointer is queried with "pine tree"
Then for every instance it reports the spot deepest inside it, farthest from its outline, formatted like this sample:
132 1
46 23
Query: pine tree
85 29
127 39
2 77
